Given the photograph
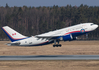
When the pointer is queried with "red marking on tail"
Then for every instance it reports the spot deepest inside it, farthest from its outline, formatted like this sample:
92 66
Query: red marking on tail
13 34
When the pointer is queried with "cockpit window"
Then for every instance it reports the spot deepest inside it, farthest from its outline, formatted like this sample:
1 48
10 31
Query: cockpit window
92 24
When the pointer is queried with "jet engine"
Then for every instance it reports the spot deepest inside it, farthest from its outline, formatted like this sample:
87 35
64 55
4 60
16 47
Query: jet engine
74 38
68 38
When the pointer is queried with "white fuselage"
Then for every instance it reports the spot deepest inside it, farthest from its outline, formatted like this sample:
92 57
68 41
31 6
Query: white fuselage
43 38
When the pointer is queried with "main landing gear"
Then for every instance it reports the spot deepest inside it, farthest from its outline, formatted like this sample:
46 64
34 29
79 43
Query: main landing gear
56 45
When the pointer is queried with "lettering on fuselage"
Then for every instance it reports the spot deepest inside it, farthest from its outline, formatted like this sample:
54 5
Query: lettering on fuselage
73 29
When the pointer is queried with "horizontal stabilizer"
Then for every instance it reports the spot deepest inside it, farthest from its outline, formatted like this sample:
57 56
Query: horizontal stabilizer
13 44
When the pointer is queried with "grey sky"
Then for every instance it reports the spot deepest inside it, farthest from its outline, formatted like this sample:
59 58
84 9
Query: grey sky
37 3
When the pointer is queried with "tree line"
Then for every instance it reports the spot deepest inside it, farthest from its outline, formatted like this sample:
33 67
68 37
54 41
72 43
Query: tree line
36 20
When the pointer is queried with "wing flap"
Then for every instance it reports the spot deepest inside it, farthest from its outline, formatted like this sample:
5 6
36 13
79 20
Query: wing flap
47 37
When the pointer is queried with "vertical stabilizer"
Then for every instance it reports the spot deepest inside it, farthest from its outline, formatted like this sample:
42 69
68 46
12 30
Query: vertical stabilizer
12 34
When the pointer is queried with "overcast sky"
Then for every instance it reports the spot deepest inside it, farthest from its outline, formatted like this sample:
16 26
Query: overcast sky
37 3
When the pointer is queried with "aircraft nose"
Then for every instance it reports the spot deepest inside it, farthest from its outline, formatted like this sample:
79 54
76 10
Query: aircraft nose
96 26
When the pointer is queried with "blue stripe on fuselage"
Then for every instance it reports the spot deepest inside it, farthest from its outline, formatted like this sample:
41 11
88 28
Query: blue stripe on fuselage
78 33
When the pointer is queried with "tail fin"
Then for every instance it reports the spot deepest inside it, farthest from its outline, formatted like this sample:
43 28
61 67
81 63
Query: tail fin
12 34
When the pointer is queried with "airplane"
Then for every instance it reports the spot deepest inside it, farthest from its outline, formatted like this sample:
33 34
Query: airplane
64 34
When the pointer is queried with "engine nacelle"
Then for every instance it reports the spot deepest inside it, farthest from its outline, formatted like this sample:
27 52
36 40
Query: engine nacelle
74 38
68 38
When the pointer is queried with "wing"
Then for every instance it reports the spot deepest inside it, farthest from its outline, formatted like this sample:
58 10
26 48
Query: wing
47 37
51 35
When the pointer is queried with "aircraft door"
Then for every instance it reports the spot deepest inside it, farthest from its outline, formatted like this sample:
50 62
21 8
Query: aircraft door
30 41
